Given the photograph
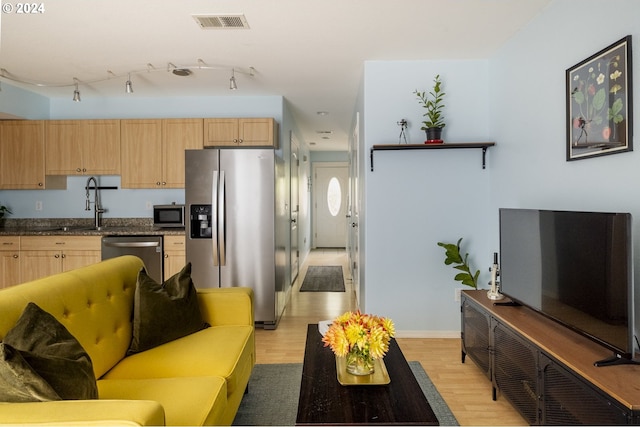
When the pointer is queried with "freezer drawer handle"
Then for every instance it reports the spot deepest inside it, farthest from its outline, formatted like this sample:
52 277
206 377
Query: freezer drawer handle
132 244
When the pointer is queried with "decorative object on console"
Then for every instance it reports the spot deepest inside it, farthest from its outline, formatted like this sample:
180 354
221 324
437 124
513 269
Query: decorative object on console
452 256
432 101
494 293
599 103
361 339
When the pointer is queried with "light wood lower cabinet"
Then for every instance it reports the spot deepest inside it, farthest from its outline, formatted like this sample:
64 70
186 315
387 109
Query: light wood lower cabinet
175 255
9 261
42 256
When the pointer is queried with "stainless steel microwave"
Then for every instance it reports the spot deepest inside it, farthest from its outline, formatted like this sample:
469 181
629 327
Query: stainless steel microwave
168 215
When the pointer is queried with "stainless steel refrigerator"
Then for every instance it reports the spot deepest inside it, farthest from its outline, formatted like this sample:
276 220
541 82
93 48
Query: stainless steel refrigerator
236 224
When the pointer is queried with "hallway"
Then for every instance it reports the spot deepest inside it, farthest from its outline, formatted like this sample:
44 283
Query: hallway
464 387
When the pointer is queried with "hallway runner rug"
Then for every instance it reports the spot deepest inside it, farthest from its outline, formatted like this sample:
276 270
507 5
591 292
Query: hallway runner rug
274 389
323 279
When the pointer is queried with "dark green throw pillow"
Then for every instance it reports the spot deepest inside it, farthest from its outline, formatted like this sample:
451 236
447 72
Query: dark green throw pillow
51 351
164 312
19 382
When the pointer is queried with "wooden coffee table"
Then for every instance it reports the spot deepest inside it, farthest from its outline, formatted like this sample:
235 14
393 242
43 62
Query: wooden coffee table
324 401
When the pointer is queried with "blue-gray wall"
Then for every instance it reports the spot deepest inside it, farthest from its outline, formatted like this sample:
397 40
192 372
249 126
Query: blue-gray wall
515 98
125 203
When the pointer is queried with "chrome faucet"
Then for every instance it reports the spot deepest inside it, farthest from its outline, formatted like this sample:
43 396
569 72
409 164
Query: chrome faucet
98 210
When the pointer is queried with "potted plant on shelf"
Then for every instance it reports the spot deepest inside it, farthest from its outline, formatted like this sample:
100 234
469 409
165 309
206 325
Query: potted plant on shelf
452 256
433 102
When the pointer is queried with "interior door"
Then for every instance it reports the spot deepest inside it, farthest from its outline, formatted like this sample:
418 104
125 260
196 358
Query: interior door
330 205
295 208
353 215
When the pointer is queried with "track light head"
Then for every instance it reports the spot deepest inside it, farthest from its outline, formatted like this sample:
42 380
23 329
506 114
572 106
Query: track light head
127 86
76 92
232 81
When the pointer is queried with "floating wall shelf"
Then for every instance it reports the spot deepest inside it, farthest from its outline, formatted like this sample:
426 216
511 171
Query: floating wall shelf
483 145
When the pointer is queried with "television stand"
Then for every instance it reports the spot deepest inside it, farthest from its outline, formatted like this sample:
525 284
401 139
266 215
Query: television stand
615 360
544 369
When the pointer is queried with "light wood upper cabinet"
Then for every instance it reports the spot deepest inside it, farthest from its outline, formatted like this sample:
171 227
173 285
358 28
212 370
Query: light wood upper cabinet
141 153
152 151
82 147
179 135
252 132
22 154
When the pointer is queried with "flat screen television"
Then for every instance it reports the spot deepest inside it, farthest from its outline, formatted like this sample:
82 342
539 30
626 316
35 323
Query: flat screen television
575 268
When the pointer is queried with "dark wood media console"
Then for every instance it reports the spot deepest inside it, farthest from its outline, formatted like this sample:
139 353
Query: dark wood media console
545 369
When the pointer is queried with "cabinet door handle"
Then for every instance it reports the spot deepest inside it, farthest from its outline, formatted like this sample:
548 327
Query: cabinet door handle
56 256
15 256
78 170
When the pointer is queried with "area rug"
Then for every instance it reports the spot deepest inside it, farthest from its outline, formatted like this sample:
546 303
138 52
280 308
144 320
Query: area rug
323 279
274 390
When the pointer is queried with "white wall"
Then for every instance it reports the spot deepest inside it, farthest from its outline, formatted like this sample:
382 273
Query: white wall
416 198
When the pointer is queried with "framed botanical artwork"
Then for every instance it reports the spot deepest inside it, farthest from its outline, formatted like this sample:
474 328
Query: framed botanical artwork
599 103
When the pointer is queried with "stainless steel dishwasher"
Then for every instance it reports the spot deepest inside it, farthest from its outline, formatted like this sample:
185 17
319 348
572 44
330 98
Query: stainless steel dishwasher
148 248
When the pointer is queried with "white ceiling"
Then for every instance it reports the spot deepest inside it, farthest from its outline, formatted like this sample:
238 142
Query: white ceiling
309 51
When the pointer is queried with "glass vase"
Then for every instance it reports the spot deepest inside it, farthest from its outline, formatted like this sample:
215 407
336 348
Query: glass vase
359 364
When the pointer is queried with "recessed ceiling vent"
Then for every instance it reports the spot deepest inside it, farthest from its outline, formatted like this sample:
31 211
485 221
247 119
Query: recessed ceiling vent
221 22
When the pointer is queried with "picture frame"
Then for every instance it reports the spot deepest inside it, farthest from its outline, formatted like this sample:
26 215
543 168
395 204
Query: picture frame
599 103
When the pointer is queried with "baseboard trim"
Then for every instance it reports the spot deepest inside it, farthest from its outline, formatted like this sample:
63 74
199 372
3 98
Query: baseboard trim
427 334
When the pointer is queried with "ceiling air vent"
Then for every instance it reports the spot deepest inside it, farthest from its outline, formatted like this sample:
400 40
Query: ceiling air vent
221 22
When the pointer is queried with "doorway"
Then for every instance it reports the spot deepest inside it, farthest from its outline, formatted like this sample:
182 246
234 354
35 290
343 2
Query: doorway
330 204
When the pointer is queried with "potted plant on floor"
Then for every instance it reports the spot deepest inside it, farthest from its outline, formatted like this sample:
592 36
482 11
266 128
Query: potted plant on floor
453 256
433 102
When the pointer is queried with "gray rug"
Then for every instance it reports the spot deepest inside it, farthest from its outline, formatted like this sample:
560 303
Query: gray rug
323 279
274 390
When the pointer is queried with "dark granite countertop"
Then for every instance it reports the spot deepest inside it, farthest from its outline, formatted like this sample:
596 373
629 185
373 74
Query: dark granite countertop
84 227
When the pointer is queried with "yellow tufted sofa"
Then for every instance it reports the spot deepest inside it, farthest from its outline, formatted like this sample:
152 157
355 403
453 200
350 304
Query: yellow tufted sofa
195 380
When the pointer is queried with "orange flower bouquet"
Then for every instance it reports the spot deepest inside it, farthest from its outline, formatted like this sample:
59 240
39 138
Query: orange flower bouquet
361 338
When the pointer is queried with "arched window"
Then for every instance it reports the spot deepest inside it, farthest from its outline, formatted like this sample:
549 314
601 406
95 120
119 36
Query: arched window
334 196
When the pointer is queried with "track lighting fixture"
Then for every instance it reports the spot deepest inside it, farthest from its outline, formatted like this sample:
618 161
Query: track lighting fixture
127 86
232 80
180 70
76 92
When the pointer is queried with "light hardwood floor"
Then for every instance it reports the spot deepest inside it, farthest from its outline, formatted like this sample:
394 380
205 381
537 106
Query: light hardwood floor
462 385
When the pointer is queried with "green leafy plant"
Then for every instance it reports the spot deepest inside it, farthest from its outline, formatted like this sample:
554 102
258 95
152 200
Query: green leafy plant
453 257
4 210
433 102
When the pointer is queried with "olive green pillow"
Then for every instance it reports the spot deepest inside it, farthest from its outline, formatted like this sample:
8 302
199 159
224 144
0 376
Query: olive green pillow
19 382
164 312
51 351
